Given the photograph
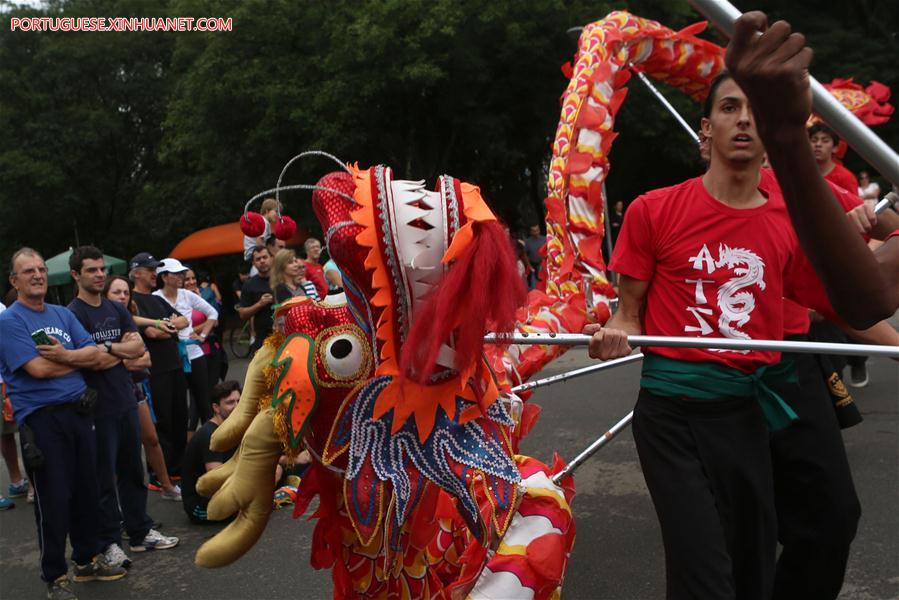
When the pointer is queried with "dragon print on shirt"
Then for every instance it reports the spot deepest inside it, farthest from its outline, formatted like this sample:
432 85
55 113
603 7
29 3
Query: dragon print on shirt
735 301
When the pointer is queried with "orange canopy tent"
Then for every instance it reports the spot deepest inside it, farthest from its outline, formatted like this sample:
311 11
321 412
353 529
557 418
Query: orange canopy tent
220 240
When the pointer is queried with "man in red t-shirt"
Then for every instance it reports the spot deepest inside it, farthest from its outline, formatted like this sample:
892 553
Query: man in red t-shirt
714 257
708 258
824 142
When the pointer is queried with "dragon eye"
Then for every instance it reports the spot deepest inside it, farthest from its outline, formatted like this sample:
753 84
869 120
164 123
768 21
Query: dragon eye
341 348
345 356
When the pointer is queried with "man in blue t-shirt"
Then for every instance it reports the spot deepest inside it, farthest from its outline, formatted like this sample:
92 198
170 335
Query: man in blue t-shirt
42 347
117 425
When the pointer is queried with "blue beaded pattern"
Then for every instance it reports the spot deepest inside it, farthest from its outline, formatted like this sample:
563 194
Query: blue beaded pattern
390 455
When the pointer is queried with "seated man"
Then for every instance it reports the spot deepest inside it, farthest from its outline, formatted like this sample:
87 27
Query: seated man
198 458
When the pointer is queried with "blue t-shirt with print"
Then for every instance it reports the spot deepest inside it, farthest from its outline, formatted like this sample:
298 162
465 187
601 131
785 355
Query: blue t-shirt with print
27 393
107 322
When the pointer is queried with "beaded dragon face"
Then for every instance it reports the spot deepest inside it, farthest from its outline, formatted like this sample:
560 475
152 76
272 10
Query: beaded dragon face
408 427
394 242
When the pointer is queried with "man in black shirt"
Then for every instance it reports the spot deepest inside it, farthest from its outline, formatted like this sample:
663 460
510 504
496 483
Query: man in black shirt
198 458
168 384
256 297
120 470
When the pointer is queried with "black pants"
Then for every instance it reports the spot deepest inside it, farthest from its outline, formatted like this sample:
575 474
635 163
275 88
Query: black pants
708 469
66 496
169 391
120 471
200 409
817 508
825 331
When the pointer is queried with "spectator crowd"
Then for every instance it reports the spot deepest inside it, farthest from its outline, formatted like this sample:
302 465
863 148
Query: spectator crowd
118 393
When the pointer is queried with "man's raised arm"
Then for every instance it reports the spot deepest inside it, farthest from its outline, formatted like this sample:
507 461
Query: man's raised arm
771 66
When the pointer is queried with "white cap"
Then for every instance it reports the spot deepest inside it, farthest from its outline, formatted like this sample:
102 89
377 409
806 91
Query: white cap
170 265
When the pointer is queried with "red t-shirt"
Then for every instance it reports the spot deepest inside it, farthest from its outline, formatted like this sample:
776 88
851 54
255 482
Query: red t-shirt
714 270
843 177
796 320
316 274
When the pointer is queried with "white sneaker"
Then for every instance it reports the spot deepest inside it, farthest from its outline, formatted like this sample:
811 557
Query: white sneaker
174 495
155 541
114 556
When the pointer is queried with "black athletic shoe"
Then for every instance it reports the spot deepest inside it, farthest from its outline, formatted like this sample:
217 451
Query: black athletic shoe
98 570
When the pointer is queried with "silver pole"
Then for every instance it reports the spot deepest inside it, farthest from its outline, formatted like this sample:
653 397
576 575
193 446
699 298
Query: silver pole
642 77
859 137
594 447
888 201
580 339
530 385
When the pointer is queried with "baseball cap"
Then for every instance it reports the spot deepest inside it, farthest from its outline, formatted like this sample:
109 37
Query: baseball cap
143 259
170 265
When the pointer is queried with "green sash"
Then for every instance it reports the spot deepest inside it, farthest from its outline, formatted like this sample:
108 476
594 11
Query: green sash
707 381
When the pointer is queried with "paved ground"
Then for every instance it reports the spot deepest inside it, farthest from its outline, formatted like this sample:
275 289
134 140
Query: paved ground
617 555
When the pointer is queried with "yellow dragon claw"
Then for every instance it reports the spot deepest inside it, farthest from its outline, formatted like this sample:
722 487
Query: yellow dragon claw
243 485
230 432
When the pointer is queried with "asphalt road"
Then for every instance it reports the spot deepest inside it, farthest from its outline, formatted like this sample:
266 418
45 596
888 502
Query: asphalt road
618 551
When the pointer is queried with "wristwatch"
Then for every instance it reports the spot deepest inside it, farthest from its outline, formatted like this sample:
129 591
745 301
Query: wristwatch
108 345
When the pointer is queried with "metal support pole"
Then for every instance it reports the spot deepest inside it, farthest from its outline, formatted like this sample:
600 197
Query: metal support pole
531 385
888 201
594 447
859 137
580 339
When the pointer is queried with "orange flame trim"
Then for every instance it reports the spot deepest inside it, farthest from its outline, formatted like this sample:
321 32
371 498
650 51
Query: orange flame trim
409 398
380 276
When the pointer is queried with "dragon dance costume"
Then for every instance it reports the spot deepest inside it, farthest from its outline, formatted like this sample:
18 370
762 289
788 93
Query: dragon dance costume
407 415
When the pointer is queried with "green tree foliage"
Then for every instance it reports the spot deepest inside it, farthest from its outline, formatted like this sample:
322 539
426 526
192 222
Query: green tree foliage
467 88
134 140
79 130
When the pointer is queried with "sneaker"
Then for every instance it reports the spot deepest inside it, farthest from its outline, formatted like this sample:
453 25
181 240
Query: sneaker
30 498
17 490
98 570
154 486
174 495
60 589
858 375
155 541
115 556
6 503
